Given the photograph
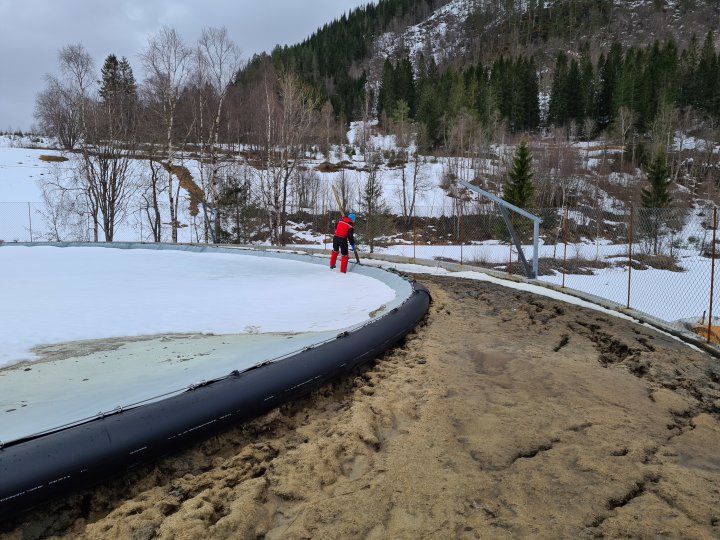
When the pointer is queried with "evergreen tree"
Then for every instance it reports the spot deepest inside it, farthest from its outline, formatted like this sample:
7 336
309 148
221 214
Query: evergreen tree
519 190
429 113
519 91
127 78
557 113
657 195
386 95
572 88
707 74
609 71
110 77
118 81
627 86
689 60
587 84
405 84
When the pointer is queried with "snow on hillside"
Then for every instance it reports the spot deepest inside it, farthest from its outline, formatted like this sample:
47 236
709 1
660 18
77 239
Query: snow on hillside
438 35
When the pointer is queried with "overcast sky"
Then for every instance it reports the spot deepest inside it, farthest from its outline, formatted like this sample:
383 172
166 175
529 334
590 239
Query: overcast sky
32 31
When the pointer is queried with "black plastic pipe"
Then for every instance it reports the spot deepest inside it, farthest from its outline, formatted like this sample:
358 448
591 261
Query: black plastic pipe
38 470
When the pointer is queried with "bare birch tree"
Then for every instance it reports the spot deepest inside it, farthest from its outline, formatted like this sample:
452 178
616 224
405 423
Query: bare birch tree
56 114
291 107
167 62
217 61
624 124
77 67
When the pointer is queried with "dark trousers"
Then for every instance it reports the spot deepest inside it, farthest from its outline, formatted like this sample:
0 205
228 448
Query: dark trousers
341 245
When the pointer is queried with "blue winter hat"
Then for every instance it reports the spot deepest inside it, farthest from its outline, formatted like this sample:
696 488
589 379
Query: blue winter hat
352 217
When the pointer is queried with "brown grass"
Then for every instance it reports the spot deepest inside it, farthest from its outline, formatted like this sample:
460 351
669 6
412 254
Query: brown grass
327 167
52 159
660 262
187 182
714 333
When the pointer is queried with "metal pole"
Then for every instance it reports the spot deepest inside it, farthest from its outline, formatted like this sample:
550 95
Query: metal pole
461 235
630 243
516 240
536 248
565 226
509 266
30 220
712 275
325 235
414 234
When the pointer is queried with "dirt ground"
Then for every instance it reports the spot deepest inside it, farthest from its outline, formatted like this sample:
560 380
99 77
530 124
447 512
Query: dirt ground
504 415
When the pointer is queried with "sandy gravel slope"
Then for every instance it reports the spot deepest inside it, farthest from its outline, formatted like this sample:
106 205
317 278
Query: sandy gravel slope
505 415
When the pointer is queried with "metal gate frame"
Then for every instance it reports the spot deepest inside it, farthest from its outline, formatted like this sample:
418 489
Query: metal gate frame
503 207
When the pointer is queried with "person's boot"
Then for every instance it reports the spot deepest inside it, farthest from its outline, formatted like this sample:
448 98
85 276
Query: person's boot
333 260
344 263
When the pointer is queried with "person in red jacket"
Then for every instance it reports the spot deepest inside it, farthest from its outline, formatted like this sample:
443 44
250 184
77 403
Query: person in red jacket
343 237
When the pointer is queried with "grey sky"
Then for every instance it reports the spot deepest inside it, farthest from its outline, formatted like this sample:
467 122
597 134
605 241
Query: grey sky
32 31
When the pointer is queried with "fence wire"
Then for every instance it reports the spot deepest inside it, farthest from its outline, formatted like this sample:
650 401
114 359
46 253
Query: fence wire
658 261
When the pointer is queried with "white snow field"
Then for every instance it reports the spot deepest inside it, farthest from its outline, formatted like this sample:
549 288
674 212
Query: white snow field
55 294
160 320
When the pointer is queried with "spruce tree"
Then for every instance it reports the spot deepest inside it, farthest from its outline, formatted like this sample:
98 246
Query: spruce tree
118 80
519 189
127 78
574 93
110 77
405 84
689 85
531 104
386 95
708 73
609 72
558 101
588 84
657 195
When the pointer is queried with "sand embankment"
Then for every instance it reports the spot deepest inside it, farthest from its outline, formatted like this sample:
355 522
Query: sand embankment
505 415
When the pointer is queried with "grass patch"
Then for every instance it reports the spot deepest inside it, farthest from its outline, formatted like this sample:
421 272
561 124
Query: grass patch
327 167
660 262
644 261
52 159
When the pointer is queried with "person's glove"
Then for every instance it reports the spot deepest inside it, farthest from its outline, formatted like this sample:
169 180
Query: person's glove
352 247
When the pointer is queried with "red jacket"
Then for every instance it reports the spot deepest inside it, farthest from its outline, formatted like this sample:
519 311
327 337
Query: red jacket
344 229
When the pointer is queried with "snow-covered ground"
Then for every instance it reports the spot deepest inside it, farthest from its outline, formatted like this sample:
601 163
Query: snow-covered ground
54 295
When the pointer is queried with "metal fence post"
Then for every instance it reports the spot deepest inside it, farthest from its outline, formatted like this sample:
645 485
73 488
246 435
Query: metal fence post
536 249
565 226
461 235
30 221
414 234
630 243
325 234
712 274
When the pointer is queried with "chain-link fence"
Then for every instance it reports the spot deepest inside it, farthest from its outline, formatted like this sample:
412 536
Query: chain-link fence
21 222
658 261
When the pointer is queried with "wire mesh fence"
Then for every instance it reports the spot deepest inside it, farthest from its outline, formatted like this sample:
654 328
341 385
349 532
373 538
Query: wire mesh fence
17 221
658 261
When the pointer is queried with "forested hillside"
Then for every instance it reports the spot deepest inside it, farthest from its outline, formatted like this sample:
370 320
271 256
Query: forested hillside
526 64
